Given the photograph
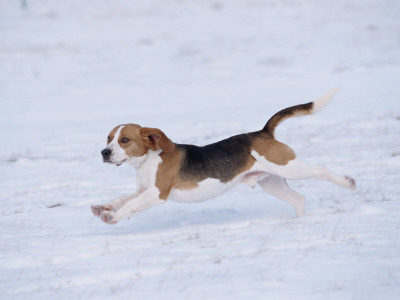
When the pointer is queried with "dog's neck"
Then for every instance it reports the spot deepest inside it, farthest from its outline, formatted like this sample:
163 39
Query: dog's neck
139 161
146 167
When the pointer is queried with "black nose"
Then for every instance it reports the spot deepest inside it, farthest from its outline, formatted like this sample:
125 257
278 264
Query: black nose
106 154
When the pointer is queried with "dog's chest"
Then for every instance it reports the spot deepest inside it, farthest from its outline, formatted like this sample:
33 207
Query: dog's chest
146 174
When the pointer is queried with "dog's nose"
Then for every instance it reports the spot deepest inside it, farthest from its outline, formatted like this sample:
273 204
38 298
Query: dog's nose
106 154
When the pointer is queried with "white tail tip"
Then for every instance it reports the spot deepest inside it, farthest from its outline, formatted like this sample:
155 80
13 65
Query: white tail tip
321 102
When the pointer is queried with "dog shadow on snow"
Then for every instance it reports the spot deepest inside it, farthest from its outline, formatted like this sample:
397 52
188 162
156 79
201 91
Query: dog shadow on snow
175 216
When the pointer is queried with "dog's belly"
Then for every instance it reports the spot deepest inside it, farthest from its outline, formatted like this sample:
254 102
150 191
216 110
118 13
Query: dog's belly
205 190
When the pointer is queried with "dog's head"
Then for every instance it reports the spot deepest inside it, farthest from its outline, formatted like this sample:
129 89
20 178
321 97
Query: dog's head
131 142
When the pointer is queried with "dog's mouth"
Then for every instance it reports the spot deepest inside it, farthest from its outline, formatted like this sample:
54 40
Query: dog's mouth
108 161
120 163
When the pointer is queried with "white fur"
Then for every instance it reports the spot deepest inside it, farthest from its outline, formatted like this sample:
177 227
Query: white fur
211 187
272 184
295 169
147 170
144 200
119 202
278 187
118 155
321 102
147 196
206 189
146 174
136 161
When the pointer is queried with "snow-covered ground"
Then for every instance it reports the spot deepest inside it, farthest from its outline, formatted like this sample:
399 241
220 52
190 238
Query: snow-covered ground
201 71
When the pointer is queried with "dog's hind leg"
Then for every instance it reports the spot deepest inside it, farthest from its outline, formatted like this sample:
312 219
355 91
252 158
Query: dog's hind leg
295 169
278 187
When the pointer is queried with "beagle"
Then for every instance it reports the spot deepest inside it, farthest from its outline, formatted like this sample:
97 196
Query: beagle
188 173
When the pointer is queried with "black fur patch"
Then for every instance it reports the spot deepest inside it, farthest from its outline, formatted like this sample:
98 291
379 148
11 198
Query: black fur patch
284 114
220 160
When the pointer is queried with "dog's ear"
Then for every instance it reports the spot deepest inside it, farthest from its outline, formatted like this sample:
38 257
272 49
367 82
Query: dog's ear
155 139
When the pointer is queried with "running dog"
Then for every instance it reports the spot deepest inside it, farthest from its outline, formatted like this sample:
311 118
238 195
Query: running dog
188 173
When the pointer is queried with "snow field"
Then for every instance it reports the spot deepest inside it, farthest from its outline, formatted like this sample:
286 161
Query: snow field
200 71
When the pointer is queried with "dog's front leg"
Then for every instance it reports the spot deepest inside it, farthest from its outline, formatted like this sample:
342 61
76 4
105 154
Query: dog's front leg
116 204
144 200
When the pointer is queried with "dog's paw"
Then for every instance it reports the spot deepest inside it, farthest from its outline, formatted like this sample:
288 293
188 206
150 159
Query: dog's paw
108 217
98 209
351 183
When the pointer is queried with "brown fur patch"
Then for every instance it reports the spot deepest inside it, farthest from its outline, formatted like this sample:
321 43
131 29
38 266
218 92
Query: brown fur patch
135 146
155 139
167 176
187 185
139 140
274 151
290 112
112 133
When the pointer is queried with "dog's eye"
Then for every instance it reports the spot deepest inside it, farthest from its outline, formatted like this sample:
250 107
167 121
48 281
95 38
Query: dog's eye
108 139
124 140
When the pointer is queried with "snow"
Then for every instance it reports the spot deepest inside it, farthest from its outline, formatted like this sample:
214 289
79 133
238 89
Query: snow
201 71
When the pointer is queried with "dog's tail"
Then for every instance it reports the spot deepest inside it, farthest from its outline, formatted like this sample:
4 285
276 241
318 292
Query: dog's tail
298 110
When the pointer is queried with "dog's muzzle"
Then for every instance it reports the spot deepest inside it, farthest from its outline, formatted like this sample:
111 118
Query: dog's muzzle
106 153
